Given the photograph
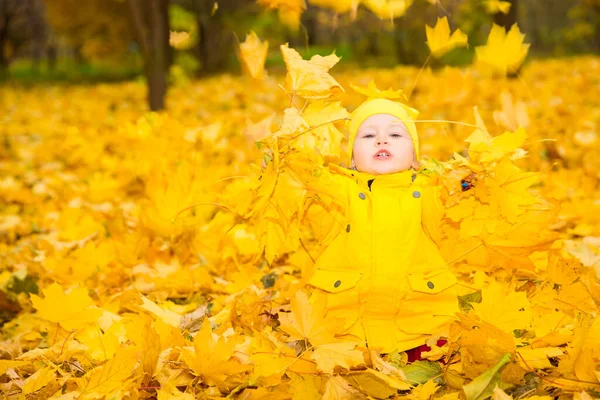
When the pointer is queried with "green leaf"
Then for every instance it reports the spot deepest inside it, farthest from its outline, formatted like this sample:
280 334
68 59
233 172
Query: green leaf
421 371
483 386
464 302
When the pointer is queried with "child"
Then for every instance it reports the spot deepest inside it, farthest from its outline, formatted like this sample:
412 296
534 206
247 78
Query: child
383 275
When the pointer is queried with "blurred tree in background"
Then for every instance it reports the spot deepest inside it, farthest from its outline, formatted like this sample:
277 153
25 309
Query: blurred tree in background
94 30
170 40
22 24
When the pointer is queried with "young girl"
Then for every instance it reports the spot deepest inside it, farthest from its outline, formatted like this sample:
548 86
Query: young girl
382 275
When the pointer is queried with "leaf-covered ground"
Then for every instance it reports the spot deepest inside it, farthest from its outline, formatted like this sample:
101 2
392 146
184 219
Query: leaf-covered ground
112 288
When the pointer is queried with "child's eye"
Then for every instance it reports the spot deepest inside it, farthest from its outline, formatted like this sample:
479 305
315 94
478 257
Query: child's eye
368 135
396 135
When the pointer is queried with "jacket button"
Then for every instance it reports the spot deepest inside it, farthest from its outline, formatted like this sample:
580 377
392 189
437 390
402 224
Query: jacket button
416 194
362 196
337 283
348 228
430 285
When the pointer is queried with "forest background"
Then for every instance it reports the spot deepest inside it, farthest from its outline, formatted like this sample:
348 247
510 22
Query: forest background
109 40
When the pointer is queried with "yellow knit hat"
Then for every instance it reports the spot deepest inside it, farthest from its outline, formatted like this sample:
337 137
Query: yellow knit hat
382 106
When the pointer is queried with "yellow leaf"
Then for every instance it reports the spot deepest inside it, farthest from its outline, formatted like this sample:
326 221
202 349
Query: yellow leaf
255 132
537 358
503 53
424 391
73 309
310 78
388 9
373 92
75 224
169 317
170 392
512 116
499 394
307 321
111 376
506 309
212 358
342 354
38 380
439 39
289 10
376 384
270 362
305 386
6 364
339 389
253 54
497 6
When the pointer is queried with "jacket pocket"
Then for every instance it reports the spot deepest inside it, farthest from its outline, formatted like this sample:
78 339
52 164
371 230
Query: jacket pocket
431 282
341 295
335 281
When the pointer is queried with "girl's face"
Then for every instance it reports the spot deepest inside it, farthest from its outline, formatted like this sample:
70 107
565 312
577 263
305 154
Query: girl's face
383 146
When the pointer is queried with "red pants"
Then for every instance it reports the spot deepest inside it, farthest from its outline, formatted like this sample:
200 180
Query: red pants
415 354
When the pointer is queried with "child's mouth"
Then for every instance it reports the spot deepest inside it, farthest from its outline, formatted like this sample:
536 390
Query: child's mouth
382 155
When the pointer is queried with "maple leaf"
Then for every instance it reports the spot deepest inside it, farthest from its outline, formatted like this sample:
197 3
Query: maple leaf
6 364
497 6
323 135
376 384
373 92
439 39
38 380
388 9
255 132
270 362
337 388
253 54
168 317
503 308
538 358
170 392
512 116
113 376
307 321
503 52
342 354
424 391
73 309
485 148
508 188
212 358
310 78
75 224
289 10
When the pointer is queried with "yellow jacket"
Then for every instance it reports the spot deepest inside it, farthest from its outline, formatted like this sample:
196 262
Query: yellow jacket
383 274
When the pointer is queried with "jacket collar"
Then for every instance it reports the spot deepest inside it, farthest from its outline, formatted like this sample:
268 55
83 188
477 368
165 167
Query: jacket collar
398 179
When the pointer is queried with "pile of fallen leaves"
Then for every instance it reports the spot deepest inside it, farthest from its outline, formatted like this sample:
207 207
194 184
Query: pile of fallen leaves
161 255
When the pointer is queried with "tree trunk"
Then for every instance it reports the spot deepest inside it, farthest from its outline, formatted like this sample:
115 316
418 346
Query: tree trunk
215 42
51 56
4 19
159 54
151 21
508 20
